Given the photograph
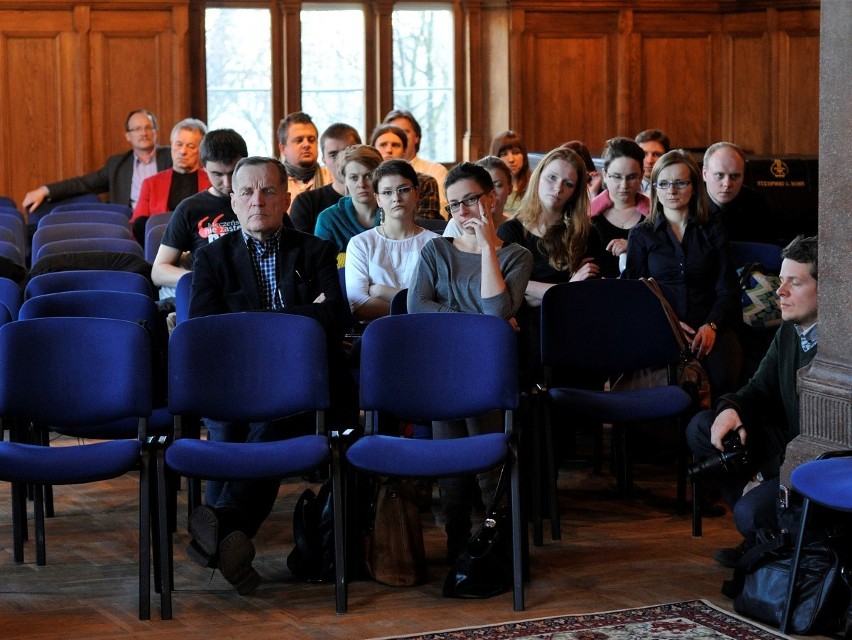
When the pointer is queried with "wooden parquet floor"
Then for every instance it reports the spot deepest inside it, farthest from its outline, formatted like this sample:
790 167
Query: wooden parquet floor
614 554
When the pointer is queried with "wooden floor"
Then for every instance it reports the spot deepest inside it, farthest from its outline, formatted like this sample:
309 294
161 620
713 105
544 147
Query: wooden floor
613 554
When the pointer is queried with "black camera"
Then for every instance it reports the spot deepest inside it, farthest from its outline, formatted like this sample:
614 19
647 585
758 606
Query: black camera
734 457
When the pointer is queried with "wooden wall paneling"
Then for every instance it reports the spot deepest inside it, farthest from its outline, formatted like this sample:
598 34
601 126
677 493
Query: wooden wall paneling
136 63
797 68
569 67
383 20
39 59
470 82
291 62
495 71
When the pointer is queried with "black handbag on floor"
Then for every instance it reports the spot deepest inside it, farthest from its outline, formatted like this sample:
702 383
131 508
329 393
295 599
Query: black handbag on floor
484 568
822 593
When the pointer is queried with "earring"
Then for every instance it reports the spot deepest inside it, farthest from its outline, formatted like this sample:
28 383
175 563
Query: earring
381 216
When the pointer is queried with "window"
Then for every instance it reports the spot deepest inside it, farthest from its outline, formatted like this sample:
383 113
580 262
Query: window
333 64
239 75
423 74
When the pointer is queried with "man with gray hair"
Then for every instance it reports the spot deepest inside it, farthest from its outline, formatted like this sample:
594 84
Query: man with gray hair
163 192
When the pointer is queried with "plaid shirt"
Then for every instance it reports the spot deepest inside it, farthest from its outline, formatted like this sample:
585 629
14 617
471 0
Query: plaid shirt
264 258
429 203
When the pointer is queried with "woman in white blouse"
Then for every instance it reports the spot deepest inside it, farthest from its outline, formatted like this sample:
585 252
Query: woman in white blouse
383 261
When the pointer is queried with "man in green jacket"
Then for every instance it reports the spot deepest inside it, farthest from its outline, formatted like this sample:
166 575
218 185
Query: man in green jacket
765 412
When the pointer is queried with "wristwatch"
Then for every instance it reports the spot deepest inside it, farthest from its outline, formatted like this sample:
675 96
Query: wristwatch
713 326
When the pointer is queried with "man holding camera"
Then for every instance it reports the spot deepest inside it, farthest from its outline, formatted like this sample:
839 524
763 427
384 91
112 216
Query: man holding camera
765 412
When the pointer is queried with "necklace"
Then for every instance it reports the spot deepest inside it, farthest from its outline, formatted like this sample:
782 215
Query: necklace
623 223
405 235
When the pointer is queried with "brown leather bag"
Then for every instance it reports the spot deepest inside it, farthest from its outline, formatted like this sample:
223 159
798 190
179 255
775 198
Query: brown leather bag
395 552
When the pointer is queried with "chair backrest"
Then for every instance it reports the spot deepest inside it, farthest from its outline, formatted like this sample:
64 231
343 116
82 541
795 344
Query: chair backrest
182 293
769 255
275 364
157 219
75 372
7 235
73 230
118 305
123 209
11 296
96 216
606 326
153 237
6 201
18 228
77 245
471 367
82 280
399 303
11 251
12 212
49 205
5 314
433 224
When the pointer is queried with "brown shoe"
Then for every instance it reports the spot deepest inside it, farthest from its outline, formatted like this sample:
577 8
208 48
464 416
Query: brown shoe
236 553
204 527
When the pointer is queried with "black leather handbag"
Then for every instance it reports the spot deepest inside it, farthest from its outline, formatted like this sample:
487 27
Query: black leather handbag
484 568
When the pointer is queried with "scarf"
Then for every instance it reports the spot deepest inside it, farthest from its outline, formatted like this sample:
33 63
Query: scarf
302 174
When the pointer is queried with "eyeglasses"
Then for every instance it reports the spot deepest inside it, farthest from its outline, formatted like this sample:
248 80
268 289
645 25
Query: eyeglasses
147 129
633 177
665 185
453 207
400 191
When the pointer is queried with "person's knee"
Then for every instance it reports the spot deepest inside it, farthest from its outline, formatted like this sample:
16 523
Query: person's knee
698 432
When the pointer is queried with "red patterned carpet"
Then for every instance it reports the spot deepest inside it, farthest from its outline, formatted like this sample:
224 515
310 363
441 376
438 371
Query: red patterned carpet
696 620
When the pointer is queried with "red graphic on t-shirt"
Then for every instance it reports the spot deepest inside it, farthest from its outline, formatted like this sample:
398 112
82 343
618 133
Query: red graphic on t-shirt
213 229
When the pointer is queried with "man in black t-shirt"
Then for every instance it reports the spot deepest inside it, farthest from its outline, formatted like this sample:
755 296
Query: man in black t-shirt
204 217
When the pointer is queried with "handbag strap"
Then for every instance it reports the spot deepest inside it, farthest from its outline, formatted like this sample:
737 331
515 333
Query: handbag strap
671 315
750 560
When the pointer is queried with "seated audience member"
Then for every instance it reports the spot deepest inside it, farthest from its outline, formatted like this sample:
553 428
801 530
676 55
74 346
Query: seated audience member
621 206
164 191
123 173
356 212
406 121
595 176
686 251
308 204
502 179
297 144
743 212
473 273
264 266
654 143
764 414
392 142
510 148
382 261
206 216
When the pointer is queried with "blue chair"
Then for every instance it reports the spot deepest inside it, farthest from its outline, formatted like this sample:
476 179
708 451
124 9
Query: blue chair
47 206
602 328
397 349
11 212
18 228
157 219
76 230
828 483
254 350
123 209
82 280
433 224
77 245
70 373
7 235
84 216
11 296
769 255
153 237
7 202
10 251
182 293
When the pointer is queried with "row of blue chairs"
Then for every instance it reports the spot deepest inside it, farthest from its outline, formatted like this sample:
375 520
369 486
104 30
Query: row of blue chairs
96 370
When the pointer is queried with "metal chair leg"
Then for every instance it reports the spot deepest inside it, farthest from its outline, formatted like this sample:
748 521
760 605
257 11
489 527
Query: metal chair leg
794 568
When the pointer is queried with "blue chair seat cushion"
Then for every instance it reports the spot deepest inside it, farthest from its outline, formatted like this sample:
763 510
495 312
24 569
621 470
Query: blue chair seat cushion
247 461
826 482
635 405
412 458
75 464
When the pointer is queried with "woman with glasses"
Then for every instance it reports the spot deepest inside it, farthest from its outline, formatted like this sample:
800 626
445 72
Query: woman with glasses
621 205
383 260
510 148
473 273
686 251
357 211
501 176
